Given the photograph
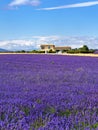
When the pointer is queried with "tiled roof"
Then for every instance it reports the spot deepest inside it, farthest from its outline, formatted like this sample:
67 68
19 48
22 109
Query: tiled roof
47 45
63 48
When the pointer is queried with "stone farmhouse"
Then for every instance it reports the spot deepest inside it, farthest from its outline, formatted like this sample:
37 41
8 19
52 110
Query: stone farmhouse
48 47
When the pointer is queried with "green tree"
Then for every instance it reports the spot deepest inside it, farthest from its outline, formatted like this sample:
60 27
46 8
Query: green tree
22 51
84 49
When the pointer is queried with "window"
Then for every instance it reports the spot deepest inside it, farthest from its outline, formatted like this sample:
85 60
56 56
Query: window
42 47
48 47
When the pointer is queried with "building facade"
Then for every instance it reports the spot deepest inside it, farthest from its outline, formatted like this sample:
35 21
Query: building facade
48 47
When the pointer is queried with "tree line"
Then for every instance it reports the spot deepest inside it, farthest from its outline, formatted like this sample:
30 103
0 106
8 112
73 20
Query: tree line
83 49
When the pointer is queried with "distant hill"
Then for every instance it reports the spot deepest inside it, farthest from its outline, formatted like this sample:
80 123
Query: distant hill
3 50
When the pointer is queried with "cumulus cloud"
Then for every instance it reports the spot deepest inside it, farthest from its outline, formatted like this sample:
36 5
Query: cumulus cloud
77 5
24 2
36 41
17 44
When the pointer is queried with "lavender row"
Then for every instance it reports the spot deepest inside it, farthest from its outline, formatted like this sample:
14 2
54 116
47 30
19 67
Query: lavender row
48 92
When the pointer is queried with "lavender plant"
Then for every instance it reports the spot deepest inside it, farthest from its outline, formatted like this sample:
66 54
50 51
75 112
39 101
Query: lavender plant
48 92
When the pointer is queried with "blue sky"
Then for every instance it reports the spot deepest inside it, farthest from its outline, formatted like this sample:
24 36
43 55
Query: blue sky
25 24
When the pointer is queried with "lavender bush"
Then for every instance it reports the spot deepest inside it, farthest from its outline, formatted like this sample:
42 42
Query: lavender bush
48 92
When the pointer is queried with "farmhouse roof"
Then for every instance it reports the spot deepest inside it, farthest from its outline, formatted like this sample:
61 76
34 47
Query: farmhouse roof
63 48
47 45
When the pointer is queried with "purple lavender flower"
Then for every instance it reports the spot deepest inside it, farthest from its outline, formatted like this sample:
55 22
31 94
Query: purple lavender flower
48 92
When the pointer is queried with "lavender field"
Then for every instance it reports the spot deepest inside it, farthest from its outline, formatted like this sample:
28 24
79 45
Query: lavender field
48 92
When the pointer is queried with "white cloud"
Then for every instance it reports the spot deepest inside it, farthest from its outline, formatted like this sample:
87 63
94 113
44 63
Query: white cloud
17 44
24 2
46 38
77 5
36 41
